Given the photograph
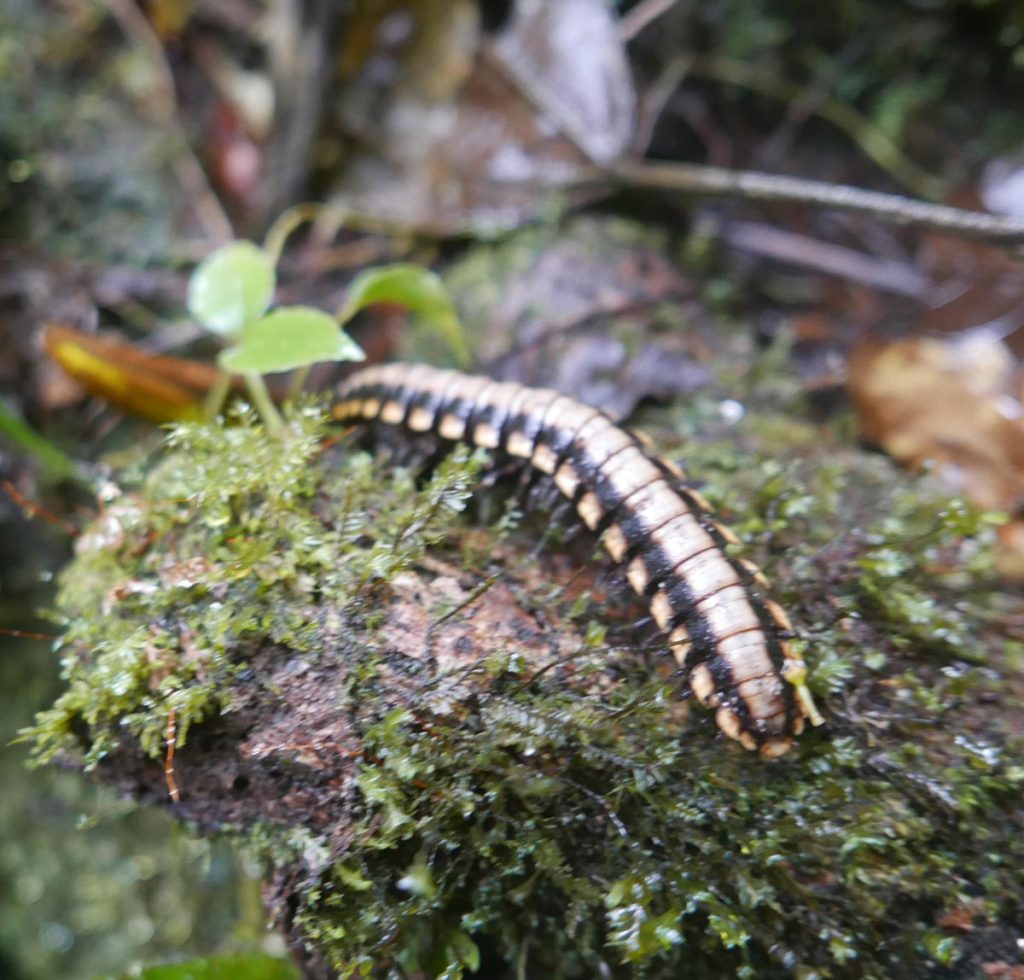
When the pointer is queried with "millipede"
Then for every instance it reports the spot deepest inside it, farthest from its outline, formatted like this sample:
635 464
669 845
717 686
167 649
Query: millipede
730 639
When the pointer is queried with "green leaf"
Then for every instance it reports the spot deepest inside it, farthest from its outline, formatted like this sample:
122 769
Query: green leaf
351 878
250 967
57 465
418 880
417 289
231 288
467 951
290 337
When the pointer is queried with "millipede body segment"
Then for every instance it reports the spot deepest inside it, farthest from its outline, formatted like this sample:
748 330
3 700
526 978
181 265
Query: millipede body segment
730 639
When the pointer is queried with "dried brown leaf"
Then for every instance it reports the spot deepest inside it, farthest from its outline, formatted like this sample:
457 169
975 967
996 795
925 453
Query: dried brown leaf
954 403
159 388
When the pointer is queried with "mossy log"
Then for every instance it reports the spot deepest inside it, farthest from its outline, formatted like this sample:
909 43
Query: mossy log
458 752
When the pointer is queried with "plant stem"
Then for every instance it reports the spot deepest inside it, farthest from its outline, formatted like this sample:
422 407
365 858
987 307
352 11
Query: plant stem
264 404
218 394
298 382
285 224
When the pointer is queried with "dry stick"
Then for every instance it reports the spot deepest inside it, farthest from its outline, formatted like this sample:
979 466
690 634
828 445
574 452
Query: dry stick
689 178
815 94
641 15
754 185
171 742
27 634
187 169
766 241
475 594
36 510
652 103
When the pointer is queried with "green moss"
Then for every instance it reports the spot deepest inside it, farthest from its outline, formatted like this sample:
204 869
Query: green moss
535 828
577 837
231 540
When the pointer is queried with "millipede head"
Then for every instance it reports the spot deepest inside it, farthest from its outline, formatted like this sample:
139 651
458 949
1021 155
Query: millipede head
773 748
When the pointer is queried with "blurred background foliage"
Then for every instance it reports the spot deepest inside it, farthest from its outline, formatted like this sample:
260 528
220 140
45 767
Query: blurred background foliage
89 884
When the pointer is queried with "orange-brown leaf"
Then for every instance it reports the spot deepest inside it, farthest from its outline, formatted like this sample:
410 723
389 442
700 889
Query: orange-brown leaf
156 387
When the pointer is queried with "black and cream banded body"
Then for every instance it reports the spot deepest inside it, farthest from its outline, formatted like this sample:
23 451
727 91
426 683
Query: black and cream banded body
730 639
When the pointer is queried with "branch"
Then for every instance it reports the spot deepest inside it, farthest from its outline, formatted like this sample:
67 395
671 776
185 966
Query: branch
833 260
633 22
751 185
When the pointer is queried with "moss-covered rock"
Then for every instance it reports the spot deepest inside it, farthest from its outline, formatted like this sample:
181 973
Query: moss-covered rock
457 753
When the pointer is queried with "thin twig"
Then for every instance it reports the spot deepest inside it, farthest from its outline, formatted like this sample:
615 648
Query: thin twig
810 100
889 275
475 594
653 101
189 172
171 741
37 510
641 15
26 634
752 185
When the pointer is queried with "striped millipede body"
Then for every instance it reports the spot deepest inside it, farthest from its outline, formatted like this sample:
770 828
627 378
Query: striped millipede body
731 640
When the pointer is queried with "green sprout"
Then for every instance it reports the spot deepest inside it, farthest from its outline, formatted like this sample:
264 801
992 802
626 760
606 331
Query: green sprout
230 295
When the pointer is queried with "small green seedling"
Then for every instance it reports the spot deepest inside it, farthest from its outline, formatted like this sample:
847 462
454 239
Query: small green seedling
230 294
417 289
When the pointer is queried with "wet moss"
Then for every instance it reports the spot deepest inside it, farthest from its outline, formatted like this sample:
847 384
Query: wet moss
233 539
531 827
